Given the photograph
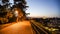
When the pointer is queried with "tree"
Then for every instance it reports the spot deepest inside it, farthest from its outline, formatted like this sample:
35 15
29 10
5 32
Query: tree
7 11
4 1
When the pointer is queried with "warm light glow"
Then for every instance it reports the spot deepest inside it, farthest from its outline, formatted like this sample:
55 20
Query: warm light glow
51 29
23 27
16 13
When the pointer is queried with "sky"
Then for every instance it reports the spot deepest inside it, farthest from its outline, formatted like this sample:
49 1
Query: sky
43 8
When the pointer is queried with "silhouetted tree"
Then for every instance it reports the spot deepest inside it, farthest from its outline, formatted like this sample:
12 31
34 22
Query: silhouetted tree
6 11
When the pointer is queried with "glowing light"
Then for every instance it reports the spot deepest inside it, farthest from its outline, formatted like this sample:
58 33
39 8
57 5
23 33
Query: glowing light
51 29
16 13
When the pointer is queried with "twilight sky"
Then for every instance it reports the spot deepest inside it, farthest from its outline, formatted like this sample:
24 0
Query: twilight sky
41 8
